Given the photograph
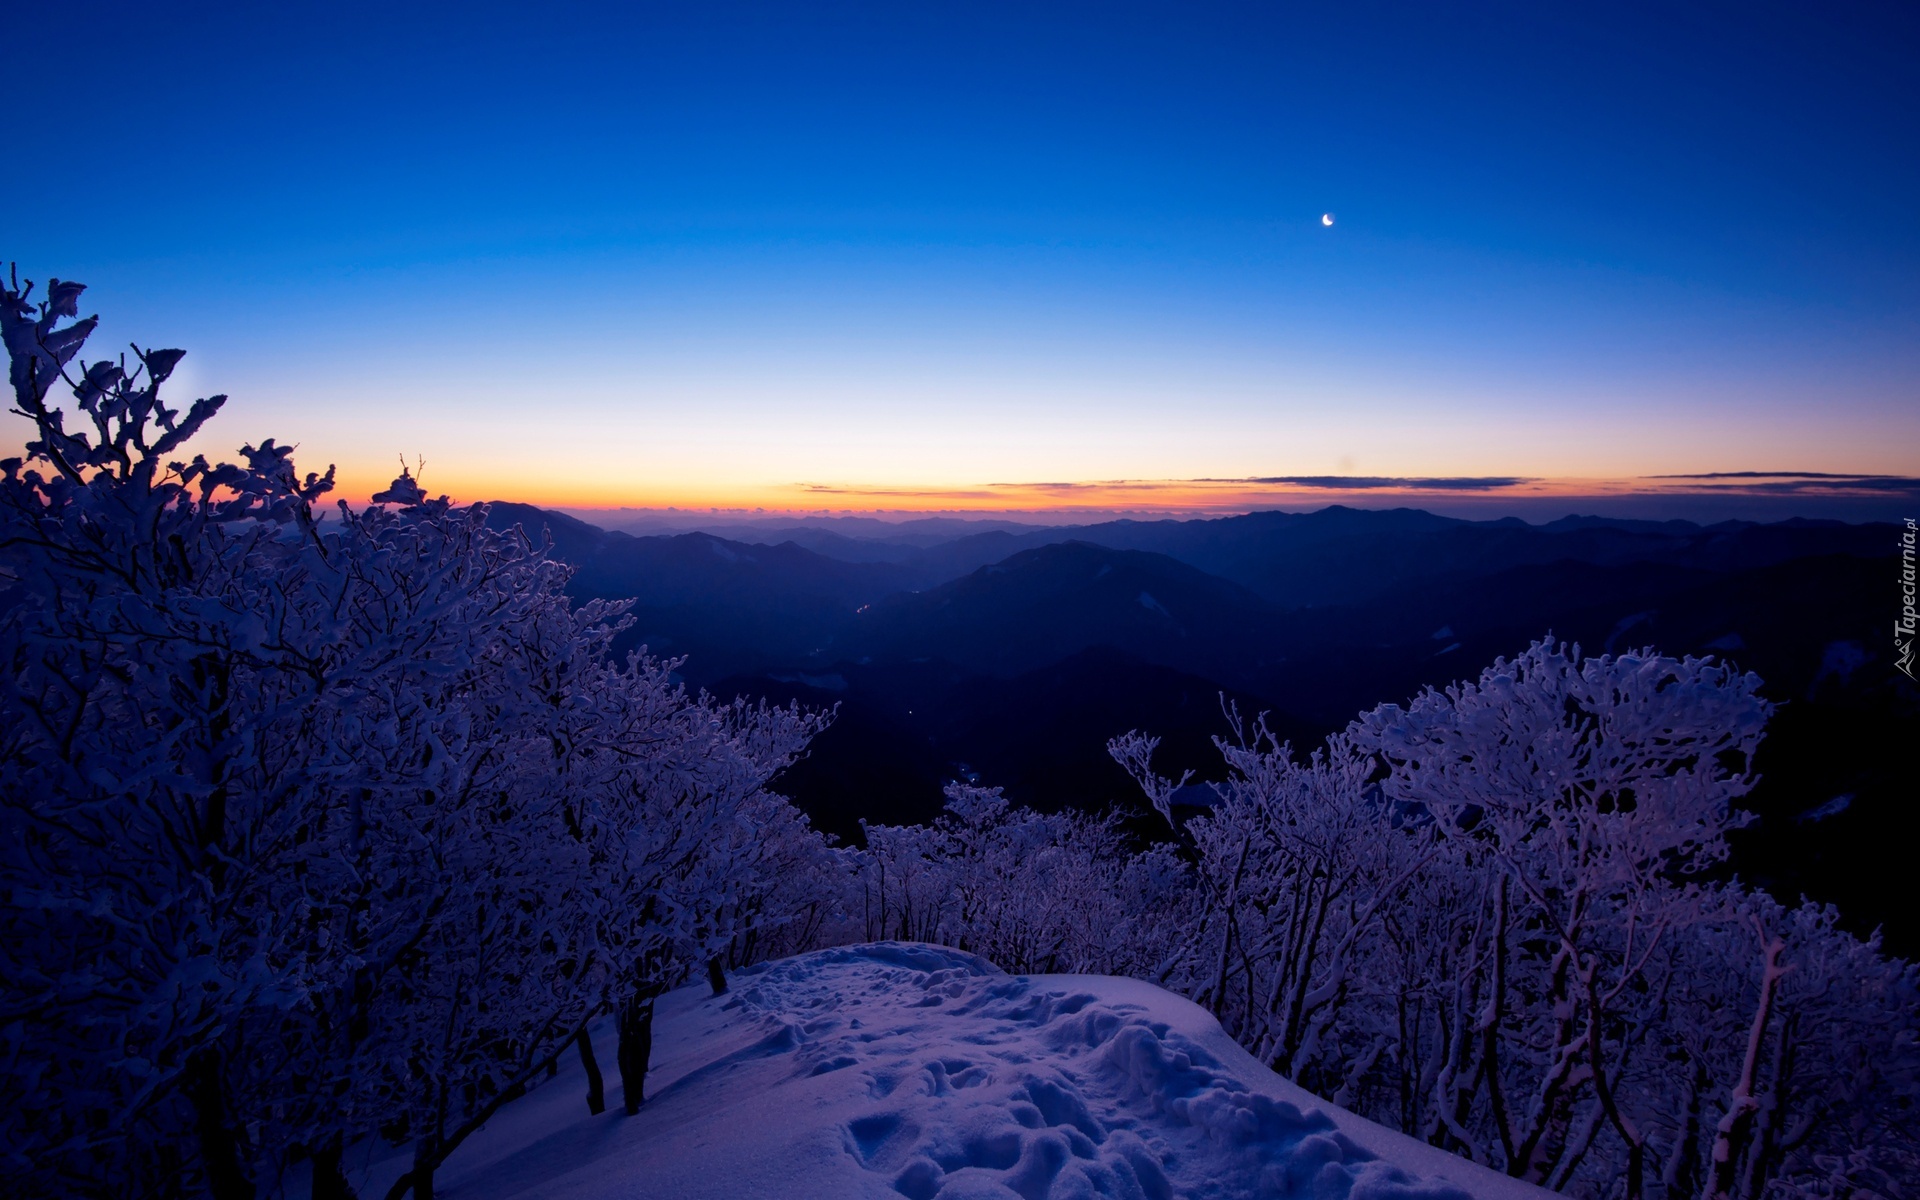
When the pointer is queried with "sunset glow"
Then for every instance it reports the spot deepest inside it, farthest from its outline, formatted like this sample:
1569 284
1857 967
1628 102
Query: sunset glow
950 259
960 600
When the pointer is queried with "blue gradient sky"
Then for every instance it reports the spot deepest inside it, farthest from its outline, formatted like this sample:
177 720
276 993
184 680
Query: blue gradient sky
703 254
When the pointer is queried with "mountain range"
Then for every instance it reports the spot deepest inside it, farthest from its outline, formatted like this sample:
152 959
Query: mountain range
1009 655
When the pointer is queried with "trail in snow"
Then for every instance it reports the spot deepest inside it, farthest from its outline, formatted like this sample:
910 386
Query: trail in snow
898 1069
982 1085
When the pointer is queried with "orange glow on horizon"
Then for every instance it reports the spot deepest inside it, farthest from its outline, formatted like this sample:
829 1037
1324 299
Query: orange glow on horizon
1141 496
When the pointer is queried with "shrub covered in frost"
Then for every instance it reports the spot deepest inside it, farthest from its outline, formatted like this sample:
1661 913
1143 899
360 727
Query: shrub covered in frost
1488 919
316 827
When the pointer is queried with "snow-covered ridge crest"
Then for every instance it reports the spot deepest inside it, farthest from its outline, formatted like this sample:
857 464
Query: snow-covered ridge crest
902 1069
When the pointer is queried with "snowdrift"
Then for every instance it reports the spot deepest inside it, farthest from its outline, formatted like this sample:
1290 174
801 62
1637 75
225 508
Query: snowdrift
898 1069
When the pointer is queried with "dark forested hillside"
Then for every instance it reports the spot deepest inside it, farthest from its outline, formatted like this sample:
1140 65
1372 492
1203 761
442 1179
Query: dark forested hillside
1009 656
1040 606
1340 555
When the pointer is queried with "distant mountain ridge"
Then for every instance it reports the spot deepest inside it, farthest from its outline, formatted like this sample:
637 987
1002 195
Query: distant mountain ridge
729 606
1340 555
1039 606
1012 654
1187 595
1278 554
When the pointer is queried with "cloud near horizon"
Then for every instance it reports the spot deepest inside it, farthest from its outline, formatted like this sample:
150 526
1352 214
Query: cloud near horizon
1818 482
1209 493
1450 483
1107 487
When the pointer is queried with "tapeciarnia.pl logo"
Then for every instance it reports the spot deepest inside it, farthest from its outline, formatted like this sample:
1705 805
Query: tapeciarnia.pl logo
1903 627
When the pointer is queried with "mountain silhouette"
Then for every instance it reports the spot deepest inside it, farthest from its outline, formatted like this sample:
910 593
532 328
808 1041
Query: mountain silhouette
1040 606
1010 655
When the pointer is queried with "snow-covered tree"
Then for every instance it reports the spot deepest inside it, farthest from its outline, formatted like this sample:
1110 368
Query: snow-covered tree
165 635
682 833
318 829
1299 863
1033 892
1496 911
1792 1061
1598 787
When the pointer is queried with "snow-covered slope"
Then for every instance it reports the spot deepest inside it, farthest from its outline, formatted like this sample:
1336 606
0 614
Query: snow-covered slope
898 1069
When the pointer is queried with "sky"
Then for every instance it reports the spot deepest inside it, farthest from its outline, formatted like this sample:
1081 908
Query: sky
955 257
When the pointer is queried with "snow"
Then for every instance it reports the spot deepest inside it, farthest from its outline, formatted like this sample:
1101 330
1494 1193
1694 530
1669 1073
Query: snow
901 1069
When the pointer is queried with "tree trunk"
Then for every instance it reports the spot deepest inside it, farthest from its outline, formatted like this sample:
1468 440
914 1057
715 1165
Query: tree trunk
1730 1136
636 1045
425 1159
1628 1130
1682 1174
717 976
435 1144
329 1180
1490 1023
1539 1151
219 1152
1219 993
596 1086
1763 1158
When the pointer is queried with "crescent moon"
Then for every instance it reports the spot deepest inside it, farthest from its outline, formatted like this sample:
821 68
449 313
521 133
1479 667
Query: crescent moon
1326 218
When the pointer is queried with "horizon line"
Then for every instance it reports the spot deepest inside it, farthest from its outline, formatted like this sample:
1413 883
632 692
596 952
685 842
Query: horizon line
1223 496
